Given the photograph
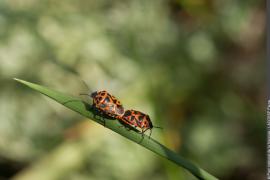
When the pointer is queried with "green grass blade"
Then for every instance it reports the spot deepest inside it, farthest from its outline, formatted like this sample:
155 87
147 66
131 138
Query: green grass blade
84 109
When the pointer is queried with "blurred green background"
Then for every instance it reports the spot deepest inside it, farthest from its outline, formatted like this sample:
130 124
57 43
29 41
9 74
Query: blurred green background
197 67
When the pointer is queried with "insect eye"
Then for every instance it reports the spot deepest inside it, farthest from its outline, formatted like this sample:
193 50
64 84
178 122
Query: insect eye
94 94
127 113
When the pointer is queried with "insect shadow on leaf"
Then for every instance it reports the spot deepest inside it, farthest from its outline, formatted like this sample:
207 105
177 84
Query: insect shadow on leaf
128 127
97 114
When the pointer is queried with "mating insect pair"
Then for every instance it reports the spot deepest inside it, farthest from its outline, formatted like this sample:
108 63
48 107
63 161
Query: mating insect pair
109 105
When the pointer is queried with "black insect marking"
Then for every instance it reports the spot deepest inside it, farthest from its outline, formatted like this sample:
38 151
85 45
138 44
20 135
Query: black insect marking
107 99
135 112
127 113
132 118
141 118
100 98
115 101
111 96
103 93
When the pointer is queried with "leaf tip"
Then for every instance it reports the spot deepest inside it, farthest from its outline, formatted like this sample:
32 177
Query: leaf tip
16 79
19 80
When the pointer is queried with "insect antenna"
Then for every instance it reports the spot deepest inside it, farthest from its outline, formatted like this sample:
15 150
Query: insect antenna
85 84
88 88
83 94
158 127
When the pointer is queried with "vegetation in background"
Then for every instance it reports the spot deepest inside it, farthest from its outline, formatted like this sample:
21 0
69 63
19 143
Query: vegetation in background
197 67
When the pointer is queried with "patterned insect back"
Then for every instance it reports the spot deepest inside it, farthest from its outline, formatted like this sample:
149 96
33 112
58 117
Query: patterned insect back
107 104
137 119
111 106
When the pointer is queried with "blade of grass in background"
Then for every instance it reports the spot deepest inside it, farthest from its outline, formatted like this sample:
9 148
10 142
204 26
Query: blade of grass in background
84 109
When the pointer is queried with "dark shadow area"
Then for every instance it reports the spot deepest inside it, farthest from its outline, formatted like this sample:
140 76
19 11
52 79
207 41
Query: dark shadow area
10 167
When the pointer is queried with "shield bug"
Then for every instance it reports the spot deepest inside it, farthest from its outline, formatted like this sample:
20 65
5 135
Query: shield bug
107 103
138 119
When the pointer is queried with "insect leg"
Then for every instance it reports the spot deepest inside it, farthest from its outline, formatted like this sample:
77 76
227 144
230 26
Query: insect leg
150 133
142 137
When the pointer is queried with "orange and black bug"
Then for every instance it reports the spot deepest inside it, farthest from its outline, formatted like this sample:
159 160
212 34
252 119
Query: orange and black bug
107 104
138 119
